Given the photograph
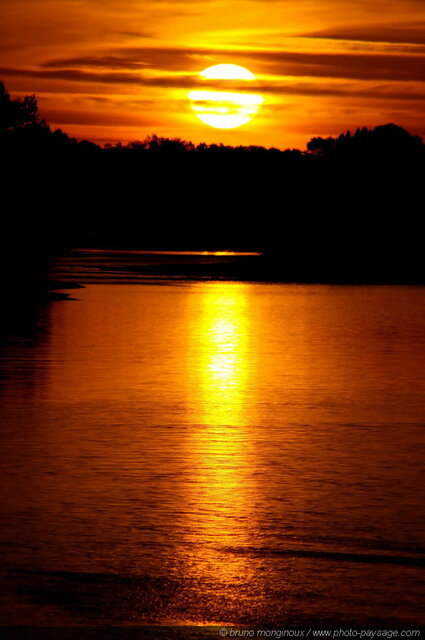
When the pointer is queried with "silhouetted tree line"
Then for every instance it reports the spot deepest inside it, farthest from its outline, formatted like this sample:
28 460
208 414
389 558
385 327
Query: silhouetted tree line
20 121
347 209
380 142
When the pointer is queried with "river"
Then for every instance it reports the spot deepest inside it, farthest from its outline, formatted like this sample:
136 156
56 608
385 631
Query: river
185 452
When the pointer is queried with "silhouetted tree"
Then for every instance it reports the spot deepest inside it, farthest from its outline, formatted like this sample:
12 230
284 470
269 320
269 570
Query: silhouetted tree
321 145
18 114
385 141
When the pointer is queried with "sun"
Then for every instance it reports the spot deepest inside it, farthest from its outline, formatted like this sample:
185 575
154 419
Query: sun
225 109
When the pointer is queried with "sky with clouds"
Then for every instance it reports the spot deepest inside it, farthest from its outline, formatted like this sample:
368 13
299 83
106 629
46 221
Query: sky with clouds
109 70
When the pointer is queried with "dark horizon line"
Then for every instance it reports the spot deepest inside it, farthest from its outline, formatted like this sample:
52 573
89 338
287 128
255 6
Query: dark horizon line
153 138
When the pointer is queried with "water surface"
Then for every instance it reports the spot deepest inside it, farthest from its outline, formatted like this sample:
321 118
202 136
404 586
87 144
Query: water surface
215 452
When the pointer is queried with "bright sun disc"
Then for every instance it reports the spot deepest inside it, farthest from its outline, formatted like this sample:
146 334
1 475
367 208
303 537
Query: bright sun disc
225 109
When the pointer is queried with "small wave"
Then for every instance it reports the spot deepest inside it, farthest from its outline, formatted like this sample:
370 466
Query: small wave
337 556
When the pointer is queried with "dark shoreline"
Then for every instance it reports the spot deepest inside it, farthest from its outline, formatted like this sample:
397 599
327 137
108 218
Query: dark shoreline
132 266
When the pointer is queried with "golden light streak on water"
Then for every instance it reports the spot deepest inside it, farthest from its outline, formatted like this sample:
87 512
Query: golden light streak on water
223 367
223 486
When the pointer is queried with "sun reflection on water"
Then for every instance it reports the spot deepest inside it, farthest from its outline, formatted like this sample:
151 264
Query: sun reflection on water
221 368
222 487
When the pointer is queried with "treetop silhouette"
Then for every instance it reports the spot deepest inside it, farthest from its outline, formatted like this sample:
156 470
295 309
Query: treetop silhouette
19 113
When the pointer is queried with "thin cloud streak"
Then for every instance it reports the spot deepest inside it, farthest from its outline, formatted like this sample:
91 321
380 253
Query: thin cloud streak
354 66
408 33
73 116
75 75
188 82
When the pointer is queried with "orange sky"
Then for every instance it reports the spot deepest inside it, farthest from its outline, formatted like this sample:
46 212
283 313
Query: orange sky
109 70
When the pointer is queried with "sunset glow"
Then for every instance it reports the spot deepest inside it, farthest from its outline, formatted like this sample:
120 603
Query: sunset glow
110 74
